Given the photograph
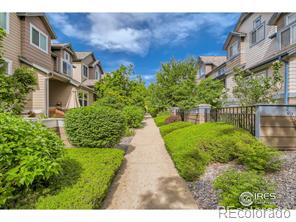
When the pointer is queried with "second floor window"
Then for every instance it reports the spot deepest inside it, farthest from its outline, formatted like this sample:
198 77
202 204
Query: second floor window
258 33
85 71
288 36
4 21
290 18
234 49
66 56
221 71
38 39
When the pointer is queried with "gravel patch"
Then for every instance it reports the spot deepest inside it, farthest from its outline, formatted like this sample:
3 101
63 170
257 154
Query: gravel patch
285 181
203 192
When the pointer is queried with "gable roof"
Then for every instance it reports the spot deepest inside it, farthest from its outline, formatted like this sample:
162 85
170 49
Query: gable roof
62 46
235 31
212 60
274 18
82 55
43 18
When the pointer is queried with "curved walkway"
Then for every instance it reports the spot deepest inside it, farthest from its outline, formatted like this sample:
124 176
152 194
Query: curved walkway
148 178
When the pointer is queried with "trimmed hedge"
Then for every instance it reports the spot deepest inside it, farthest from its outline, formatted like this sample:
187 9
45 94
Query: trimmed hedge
94 172
94 126
160 119
166 129
29 153
134 116
233 183
83 184
193 148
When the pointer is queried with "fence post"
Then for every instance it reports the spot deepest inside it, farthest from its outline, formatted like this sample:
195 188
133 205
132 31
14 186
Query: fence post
204 113
257 120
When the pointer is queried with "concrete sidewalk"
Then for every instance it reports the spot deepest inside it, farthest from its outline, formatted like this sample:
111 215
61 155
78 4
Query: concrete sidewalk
148 178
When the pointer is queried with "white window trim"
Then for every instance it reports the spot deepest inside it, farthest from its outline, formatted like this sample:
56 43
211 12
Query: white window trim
9 66
7 23
291 33
31 38
238 52
65 52
287 18
83 65
83 94
69 63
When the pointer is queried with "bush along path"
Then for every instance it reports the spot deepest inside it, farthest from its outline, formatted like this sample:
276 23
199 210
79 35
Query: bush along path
148 178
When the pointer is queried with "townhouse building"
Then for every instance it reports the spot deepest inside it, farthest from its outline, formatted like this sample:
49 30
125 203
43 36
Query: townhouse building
61 81
208 65
258 40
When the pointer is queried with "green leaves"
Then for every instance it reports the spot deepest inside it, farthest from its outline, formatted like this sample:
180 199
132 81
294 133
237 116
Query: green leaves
95 126
252 88
29 153
134 116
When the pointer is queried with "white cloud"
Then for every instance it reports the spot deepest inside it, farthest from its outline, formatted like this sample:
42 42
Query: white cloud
134 33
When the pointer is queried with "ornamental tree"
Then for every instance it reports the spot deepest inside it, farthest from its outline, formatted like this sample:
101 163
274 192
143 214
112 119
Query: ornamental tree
251 88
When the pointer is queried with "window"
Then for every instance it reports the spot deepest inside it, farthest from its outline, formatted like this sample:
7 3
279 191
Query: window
4 21
39 39
221 71
85 71
83 98
288 36
201 70
233 49
7 66
67 67
290 18
258 33
66 56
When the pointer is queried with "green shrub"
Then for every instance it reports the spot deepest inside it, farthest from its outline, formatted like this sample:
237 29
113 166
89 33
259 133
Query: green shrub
83 184
134 116
232 183
94 126
160 119
97 169
166 129
29 153
259 157
110 101
222 143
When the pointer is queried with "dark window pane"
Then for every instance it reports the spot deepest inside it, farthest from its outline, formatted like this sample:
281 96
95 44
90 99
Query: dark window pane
285 38
35 36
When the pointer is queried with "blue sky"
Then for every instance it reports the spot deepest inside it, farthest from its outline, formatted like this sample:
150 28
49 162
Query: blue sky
144 39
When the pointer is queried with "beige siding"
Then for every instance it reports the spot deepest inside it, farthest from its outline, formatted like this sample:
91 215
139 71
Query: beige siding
77 71
229 83
292 75
12 41
256 53
30 52
36 101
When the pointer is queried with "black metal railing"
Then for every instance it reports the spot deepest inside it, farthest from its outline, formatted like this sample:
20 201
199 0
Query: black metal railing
241 117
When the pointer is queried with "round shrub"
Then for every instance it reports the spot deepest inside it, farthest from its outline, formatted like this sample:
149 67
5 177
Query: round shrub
134 116
29 153
111 101
94 126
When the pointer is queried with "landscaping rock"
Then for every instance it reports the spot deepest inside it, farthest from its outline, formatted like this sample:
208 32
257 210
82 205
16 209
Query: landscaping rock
285 181
202 190
124 143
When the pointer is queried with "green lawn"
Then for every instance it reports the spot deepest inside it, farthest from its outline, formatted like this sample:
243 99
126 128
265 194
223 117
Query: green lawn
166 129
85 180
161 117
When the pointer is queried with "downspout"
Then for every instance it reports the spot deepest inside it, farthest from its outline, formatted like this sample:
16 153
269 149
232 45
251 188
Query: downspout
286 86
286 80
